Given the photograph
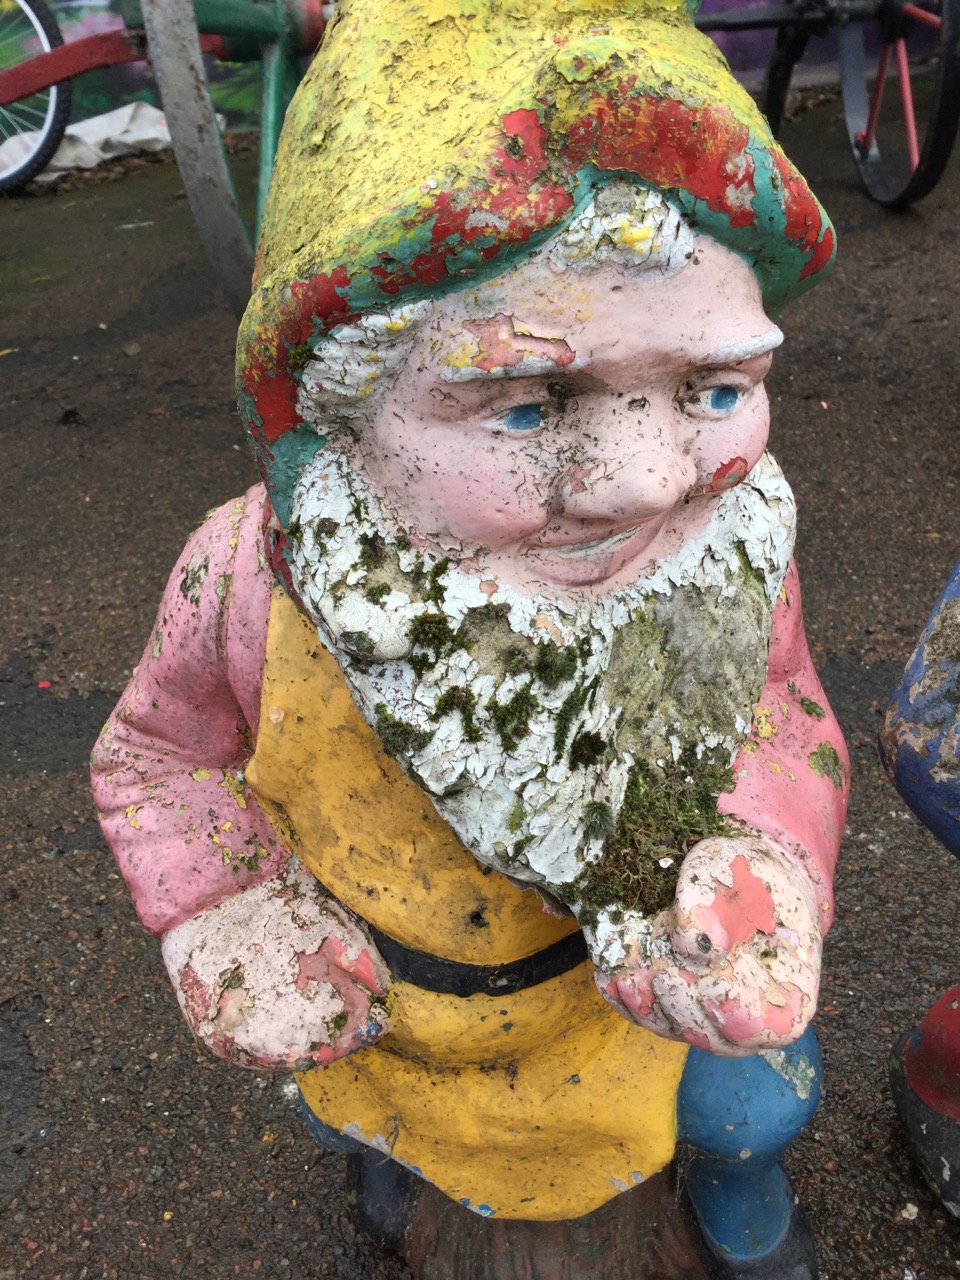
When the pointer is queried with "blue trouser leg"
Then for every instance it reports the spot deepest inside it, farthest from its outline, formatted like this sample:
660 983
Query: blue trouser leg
326 1137
740 1115
381 1186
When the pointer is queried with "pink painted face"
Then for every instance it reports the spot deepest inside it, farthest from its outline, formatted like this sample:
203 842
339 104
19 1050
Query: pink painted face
570 429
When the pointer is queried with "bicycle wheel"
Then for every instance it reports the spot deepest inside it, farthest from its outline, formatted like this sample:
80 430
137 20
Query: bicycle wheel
902 138
31 128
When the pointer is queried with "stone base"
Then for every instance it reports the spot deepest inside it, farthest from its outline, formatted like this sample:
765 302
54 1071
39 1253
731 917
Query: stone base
642 1234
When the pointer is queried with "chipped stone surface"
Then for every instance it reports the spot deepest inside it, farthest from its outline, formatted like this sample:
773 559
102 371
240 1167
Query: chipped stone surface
278 976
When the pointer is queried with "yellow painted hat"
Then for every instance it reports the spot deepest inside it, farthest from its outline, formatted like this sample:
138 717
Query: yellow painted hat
435 142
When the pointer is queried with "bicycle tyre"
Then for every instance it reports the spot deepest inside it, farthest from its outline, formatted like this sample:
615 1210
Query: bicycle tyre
890 178
44 115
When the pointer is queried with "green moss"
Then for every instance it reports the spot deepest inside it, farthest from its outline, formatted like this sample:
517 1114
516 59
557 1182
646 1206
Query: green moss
517 815
398 738
377 593
570 708
335 1025
300 356
402 543
325 527
430 631
255 852
515 661
597 820
748 570
586 749
517 851
464 701
435 589
372 551
825 763
812 708
294 531
555 664
512 719
666 809
360 643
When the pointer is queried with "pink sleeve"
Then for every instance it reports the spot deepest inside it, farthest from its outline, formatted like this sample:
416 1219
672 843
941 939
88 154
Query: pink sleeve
793 772
168 767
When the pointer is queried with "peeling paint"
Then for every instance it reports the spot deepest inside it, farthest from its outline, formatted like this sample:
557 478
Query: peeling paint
826 763
795 1068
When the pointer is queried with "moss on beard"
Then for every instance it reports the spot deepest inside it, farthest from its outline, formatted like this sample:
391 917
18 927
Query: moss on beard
665 811
398 737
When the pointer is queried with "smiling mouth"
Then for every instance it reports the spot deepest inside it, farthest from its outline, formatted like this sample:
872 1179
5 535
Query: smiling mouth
596 548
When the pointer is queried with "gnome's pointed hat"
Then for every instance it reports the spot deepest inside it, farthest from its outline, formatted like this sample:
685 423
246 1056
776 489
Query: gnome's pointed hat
435 142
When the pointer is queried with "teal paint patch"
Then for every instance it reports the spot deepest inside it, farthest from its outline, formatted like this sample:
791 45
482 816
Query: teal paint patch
288 455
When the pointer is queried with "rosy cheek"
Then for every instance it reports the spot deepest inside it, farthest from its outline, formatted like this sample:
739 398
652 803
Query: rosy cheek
727 475
491 501
726 453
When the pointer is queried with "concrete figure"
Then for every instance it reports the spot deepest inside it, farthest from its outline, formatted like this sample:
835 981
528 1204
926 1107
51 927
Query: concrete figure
919 746
477 770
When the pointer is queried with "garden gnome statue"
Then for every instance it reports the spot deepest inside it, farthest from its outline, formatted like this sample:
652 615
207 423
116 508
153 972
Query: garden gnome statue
919 746
477 770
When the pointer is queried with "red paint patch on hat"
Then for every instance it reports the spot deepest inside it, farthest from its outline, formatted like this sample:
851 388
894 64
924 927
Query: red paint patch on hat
701 150
266 376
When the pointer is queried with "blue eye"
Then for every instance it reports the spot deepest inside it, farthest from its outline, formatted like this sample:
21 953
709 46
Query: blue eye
724 399
524 417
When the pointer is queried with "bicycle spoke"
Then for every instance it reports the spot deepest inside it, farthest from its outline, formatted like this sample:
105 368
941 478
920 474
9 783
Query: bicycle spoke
32 117
923 15
906 97
12 37
22 117
865 139
17 37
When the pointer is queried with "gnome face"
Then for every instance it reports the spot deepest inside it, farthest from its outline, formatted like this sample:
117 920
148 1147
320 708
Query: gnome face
527 502
565 430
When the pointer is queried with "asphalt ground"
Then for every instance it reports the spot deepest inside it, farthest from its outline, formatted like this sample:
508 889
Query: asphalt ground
124 1150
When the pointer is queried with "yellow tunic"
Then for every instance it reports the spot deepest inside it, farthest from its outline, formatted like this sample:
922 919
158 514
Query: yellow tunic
543 1104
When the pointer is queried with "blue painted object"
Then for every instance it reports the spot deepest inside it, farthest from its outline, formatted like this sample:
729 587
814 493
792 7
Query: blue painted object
919 740
740 1115
326 1137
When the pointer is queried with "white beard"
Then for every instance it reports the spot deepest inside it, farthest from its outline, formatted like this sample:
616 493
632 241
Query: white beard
485 719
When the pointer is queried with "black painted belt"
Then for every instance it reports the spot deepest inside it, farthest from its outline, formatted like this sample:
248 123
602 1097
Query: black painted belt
452 978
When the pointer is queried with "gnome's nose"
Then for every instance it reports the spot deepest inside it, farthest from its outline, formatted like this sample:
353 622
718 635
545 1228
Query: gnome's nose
630 483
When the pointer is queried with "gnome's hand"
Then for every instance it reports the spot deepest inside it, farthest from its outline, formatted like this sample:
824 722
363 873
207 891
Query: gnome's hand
734 965
278 976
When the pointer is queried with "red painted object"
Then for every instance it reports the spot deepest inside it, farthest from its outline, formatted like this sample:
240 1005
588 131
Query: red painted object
931 1062
89 54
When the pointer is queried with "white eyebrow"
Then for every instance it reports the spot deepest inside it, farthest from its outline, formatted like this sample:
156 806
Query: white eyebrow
529 367
735 352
